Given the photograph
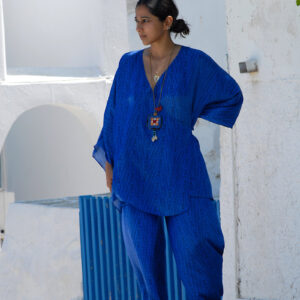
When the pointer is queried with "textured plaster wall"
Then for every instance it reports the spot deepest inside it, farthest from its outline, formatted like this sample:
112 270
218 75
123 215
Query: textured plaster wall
265 151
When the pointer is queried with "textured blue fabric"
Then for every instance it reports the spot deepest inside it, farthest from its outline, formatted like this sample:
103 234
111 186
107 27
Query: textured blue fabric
196 240
160 177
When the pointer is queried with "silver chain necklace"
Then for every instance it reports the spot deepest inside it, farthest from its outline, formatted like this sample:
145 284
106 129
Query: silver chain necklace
154 121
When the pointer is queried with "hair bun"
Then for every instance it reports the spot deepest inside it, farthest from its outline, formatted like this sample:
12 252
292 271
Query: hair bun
178 21
180 26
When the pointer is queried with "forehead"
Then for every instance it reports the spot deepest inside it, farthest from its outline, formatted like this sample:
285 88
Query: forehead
142 11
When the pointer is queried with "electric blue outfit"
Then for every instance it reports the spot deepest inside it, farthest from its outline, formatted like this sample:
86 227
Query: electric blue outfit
168 178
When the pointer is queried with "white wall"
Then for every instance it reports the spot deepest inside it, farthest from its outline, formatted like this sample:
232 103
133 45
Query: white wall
41 258
207 33
266 152
6 199
63 34
48 154
2 45
259 157
70 127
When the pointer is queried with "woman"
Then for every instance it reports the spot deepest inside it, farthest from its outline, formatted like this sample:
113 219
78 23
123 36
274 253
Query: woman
153 163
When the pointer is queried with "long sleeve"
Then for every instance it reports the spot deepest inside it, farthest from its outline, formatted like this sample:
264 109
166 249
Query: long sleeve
218 96
104 148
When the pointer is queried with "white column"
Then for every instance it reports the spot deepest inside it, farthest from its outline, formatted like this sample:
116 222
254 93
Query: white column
260 206
2 45
114 31
6 198
228 210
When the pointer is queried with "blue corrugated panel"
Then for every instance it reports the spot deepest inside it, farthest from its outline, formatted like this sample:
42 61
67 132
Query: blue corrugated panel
106 269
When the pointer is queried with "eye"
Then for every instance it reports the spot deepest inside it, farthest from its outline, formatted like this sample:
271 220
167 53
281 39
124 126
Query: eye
143 21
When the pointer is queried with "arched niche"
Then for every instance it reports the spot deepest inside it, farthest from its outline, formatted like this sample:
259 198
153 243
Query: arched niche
48 154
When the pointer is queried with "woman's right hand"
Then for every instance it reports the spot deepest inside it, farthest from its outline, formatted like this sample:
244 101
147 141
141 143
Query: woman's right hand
109 175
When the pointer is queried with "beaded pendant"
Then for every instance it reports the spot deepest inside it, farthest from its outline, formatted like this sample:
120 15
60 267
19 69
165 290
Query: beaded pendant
154 123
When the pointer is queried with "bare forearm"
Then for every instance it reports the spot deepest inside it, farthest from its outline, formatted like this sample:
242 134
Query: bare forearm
109 175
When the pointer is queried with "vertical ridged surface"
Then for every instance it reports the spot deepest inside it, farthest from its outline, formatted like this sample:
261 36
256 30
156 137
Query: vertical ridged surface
106 270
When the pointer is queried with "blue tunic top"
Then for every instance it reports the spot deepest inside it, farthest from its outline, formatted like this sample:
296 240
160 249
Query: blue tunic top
160 177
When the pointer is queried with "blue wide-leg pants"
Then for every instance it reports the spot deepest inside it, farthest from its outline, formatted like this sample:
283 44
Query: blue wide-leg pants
196 240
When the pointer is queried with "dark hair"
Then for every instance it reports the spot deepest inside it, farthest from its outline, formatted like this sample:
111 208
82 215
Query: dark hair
164 8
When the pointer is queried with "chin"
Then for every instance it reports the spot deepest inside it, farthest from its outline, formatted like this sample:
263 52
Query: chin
145 42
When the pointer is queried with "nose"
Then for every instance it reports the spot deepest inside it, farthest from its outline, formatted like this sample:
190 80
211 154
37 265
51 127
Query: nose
138 26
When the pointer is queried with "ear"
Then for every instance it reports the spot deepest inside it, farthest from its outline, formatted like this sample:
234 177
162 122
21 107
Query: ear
168 22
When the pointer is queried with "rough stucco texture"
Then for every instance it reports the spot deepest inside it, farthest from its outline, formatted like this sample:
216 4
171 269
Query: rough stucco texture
267 147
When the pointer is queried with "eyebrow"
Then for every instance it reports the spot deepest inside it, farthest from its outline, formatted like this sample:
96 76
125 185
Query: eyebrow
143 17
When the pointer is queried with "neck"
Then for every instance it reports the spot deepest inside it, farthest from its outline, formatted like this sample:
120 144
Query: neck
162 48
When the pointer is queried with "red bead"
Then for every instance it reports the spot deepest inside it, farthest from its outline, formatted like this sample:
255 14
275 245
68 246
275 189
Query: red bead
159 108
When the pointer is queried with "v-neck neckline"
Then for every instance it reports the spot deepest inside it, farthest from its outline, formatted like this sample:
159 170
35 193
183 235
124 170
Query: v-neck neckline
163 74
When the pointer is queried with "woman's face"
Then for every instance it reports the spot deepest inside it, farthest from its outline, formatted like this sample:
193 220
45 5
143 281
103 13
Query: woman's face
148 26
